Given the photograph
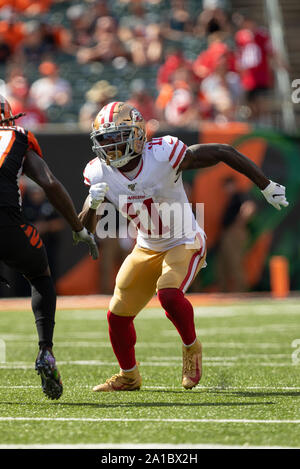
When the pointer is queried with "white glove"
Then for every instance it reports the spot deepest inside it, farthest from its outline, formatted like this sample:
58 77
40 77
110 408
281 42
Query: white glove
97 194
86 237
275 195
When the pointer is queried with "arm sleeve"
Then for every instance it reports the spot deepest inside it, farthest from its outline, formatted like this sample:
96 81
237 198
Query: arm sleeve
33 144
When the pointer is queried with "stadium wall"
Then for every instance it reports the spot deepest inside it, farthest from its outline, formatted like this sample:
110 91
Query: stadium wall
271 232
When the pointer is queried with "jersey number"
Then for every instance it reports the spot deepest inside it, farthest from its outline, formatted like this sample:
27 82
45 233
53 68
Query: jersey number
153 220
155 141
7 139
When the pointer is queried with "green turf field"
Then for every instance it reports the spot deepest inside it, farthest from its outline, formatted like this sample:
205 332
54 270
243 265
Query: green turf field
249 393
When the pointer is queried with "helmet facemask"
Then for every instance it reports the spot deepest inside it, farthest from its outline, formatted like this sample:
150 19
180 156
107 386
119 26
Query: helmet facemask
119 145
6 116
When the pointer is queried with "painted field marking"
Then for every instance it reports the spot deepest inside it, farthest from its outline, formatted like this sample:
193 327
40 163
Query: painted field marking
2 351
161 363
26 365
226 358
212 388
93 342
204 332
138 446
105 419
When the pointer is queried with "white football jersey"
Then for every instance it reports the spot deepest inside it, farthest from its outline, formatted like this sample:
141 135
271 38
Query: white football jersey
155 199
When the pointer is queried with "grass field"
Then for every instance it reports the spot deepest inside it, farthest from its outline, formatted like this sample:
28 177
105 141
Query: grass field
249 394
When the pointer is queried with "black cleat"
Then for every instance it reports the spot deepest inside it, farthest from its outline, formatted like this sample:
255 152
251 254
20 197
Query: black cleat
51 380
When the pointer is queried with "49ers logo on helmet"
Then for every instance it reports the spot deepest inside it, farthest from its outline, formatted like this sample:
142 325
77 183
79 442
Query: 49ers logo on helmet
135 115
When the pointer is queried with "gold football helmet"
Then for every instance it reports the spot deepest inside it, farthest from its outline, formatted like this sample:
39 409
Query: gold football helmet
119 134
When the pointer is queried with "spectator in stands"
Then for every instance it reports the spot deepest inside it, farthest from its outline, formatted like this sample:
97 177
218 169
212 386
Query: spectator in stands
254 52
56 36
97 9
108 45
179 20
213 21
83 21
27 7
43 40
12 31
135 43
80 24
5 51
18 95
136 16
207 60
175 59
141 99
145 45
234 236
35 46
100 94
154 44
178 100
222 91
52 89
181 110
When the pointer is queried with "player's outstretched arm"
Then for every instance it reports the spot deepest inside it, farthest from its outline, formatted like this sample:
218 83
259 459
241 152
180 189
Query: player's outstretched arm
203 156
37 170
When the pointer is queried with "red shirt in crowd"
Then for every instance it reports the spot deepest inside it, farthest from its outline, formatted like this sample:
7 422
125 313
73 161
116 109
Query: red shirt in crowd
207 60
253 53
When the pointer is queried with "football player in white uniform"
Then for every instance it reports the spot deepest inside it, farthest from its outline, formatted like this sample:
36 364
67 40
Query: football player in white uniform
143 181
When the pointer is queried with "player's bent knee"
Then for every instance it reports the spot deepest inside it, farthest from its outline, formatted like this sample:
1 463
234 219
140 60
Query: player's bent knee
170 279
32 277
168 297
119 307
113 318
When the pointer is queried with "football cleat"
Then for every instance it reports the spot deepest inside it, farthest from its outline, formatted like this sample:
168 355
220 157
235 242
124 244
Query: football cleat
192 365
123 381
45 366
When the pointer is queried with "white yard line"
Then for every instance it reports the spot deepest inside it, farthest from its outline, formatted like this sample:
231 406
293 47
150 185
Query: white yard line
107 419
199 311
233 330
162 362
95 342
243 345
150 345
92 339
138 446
206 311
226 358
22 365
213 388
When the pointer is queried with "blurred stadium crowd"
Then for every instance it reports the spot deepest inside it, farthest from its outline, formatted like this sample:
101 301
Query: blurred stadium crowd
178 61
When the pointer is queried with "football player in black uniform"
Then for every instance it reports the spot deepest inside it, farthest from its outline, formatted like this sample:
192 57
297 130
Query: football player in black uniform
21 246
